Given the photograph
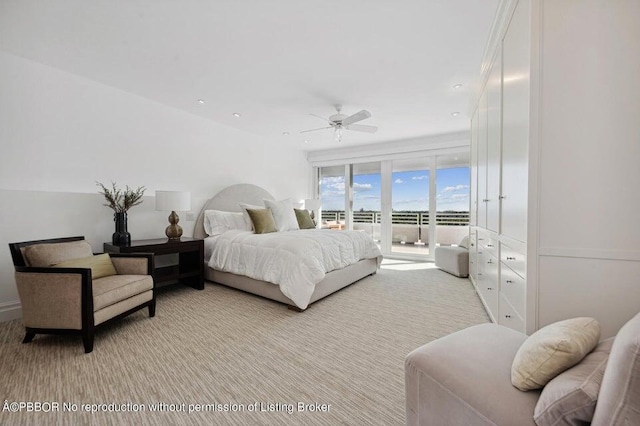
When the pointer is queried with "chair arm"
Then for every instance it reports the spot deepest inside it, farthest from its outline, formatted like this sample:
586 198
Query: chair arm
57 298
133 263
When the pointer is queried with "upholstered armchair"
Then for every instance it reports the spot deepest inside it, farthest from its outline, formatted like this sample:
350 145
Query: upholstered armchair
65 289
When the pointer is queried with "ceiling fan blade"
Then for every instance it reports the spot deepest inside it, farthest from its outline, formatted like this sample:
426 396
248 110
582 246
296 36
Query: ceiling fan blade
358 116
325 119
313 130
363 128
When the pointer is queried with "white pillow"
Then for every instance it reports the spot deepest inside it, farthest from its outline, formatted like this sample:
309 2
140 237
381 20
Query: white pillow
245 215
553 349
216 222
283 214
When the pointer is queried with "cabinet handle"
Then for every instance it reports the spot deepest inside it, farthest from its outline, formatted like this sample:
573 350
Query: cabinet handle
511 258
489 245
486 200
479 273
509 282
502 197
489 261
507 316
489 288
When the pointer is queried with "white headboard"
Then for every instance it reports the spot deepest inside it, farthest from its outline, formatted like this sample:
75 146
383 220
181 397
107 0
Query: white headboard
229 200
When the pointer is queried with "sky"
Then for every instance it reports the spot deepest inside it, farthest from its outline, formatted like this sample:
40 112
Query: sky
410 191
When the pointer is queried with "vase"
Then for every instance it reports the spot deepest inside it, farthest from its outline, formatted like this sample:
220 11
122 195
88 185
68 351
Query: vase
121 237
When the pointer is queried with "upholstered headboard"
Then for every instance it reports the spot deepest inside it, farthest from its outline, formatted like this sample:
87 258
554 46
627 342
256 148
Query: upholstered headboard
229 200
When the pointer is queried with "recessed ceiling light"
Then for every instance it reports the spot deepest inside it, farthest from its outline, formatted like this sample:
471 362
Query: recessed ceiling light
236 114
200 101
455 114
285 133
457 86
306 141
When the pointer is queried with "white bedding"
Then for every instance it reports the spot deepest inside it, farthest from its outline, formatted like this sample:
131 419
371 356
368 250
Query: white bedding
294 260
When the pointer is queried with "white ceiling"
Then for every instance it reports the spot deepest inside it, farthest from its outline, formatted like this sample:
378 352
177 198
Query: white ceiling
275 62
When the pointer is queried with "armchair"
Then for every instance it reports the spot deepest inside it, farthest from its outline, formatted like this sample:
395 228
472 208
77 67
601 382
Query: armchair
68 300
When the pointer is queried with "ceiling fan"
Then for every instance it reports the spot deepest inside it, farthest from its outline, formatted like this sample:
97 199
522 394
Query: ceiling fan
340 122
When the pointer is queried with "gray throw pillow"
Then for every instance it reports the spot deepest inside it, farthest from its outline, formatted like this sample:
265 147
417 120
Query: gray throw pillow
262 219
570 398
304 219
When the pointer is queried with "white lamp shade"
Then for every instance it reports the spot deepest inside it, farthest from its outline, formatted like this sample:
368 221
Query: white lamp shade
173 201
312 204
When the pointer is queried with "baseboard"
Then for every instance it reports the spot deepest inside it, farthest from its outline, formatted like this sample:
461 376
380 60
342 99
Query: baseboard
10 311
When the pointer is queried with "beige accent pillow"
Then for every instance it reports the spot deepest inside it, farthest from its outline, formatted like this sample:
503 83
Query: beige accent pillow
262 219
44 255
100 265
304 219
551 350
570 398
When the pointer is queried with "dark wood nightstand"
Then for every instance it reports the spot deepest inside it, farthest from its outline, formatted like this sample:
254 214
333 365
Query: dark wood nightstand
189 269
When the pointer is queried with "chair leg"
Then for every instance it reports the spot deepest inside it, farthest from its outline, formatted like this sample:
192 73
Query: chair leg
87 340
152 308
29 336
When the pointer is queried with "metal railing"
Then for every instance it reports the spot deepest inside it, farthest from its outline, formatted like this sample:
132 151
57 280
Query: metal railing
450 218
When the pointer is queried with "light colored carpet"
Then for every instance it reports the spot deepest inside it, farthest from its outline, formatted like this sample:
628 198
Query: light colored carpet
222 346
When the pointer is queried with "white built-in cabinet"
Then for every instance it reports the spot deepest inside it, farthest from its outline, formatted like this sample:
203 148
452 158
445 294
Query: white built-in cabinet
554 165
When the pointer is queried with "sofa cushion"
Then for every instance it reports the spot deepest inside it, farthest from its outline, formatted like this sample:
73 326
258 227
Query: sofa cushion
115 288
44 255
100 265
551 350
619 398
570 398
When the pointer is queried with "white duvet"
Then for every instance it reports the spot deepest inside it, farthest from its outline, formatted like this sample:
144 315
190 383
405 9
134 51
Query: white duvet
294 260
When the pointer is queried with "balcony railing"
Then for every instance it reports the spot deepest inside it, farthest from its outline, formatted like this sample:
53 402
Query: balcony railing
401 218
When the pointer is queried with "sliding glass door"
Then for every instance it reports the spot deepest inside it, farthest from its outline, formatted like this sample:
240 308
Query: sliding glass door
410 189
367 199
407 205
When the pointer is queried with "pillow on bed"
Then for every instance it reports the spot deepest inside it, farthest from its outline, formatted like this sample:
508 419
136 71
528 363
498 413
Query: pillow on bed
283 214
247 219
262 220
304 219
216 222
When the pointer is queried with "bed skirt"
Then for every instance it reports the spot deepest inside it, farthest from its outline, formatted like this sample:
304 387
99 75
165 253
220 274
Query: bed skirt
332 282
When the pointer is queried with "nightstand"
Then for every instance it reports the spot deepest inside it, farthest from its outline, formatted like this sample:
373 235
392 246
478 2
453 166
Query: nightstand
186 266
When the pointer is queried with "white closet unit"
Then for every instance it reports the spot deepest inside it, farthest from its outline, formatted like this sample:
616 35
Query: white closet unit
555 154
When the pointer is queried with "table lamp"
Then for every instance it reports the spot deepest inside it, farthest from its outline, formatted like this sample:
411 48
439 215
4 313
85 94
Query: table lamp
312 204
172 201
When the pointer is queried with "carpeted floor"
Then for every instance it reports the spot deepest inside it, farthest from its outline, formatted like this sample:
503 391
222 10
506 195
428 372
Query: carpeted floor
222 346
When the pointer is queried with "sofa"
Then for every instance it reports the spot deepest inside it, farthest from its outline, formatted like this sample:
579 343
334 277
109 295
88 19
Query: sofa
465 379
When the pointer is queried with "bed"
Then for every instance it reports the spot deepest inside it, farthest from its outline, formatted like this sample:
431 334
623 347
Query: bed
228 200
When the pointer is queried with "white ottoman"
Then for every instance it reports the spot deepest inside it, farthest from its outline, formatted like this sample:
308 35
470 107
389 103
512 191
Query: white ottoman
454 260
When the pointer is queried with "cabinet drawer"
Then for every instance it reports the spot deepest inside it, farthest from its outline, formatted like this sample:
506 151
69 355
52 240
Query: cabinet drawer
508 317
488 243
488 282
514 260
512 286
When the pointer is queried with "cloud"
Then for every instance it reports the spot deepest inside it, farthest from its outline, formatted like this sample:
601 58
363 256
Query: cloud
398 181
420 177
359 187
455 188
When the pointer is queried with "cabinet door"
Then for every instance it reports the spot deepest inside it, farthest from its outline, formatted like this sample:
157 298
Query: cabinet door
473 171
494 130
482 161
515 123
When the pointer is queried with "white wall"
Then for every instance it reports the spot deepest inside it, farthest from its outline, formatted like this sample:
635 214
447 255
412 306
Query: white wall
59 133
